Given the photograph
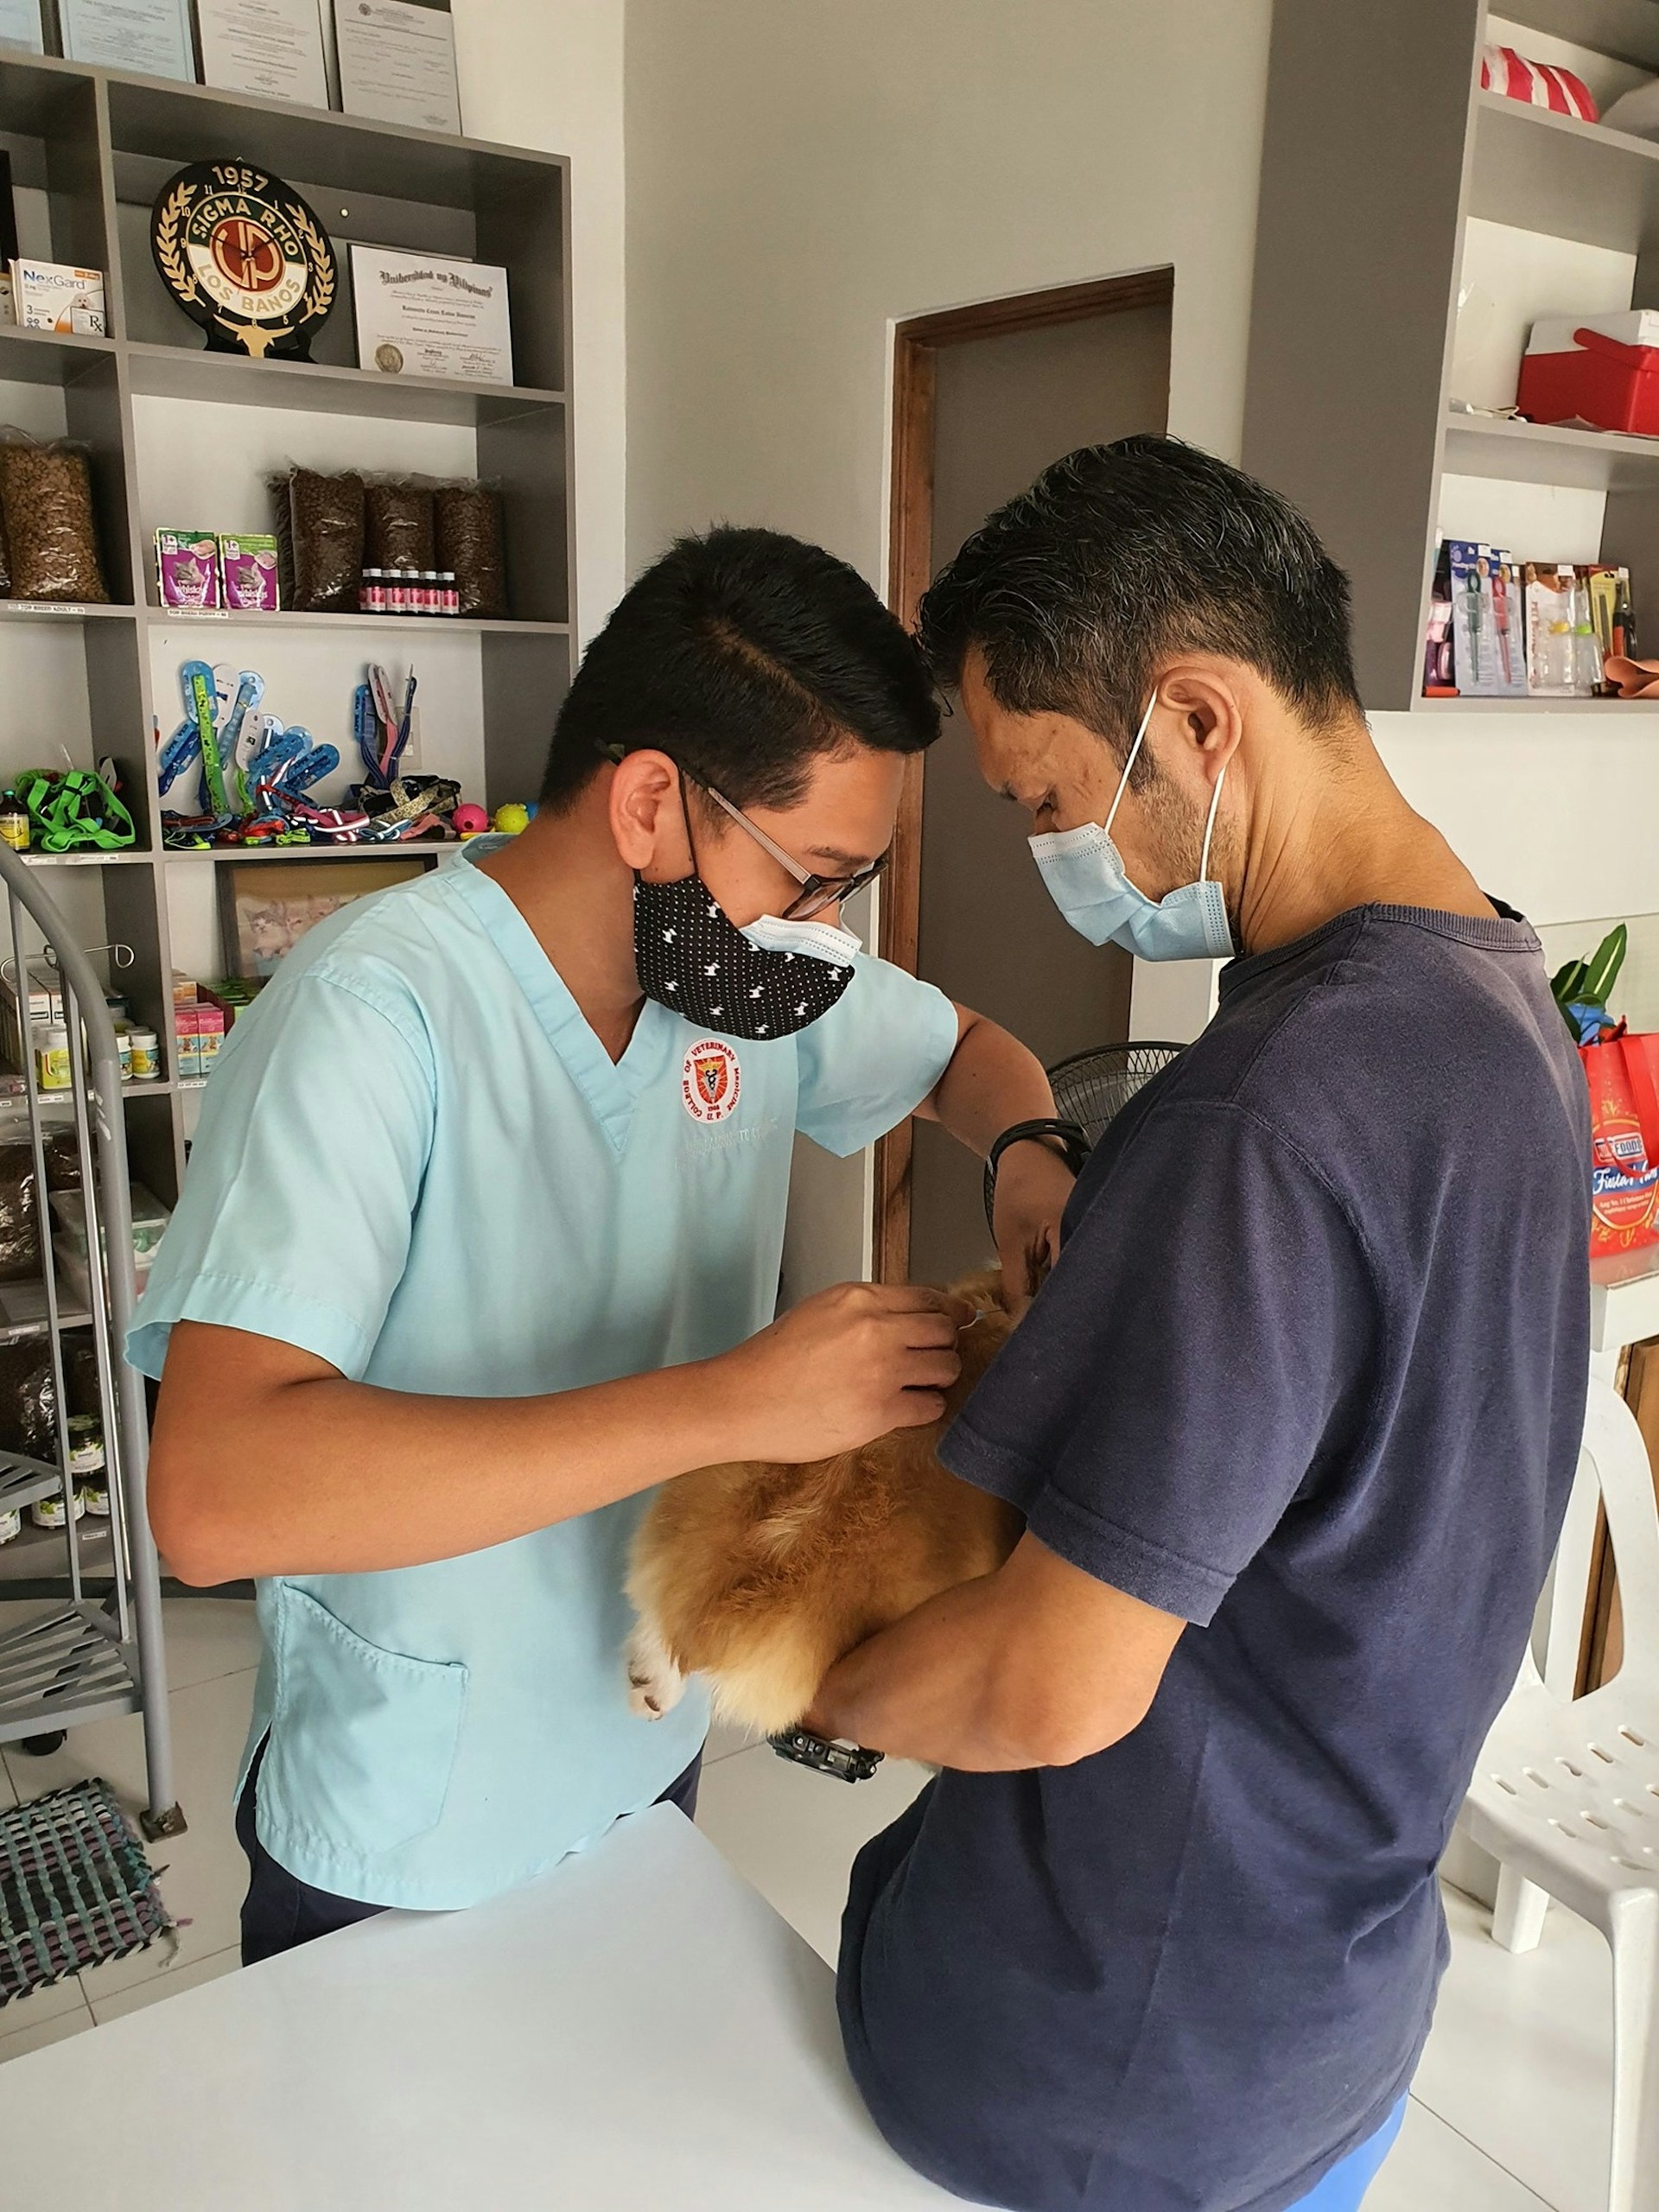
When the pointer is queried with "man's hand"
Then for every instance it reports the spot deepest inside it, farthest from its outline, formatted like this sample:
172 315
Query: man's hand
843 1367
1033 1186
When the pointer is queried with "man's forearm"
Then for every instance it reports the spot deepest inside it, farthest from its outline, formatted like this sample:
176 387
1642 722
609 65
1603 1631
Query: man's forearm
329 1477
992 1082
1037 1665
267 1460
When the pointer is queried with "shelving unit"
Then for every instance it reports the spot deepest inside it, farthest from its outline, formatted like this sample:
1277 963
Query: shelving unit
181 437
1380 149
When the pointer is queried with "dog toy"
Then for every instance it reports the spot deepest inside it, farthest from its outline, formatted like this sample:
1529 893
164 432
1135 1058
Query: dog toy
470 821
512 819
1636 679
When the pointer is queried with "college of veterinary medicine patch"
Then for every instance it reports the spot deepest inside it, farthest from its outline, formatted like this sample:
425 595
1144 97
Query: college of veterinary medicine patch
710 1080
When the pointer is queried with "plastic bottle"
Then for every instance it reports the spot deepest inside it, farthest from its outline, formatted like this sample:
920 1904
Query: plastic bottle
146 1057
52 1055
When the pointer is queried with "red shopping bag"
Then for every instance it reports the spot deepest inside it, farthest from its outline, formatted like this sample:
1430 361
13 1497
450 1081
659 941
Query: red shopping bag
1622 1072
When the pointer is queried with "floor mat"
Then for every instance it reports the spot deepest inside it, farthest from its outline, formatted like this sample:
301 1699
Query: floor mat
75 1888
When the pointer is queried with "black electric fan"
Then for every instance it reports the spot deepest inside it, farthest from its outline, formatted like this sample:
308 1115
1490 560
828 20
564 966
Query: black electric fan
1091 1087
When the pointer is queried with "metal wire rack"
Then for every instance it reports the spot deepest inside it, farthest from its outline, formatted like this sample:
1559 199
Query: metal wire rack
94 1658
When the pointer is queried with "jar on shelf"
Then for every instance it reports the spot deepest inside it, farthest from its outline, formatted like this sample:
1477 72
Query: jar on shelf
52 1055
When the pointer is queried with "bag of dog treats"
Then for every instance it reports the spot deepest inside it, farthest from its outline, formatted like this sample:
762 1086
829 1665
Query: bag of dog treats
1622 1072
46 502
472 542
319 533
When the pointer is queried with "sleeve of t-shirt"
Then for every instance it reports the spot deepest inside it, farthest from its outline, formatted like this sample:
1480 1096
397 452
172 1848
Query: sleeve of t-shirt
873 1057
294 1221
1196 1354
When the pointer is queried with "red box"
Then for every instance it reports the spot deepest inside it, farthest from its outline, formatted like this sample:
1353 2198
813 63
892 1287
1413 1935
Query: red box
1601 381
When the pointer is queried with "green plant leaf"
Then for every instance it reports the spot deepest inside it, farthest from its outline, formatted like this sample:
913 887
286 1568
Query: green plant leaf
1604 965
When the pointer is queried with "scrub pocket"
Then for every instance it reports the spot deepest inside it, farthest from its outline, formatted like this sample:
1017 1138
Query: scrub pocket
363 1740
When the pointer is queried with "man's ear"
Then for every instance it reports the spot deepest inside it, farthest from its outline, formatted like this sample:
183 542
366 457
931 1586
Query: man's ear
646 817
1202 706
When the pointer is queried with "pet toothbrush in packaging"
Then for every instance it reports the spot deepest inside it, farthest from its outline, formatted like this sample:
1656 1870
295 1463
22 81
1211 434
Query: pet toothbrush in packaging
1486 623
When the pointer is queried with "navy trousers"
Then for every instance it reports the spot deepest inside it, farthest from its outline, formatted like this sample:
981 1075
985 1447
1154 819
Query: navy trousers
280 1912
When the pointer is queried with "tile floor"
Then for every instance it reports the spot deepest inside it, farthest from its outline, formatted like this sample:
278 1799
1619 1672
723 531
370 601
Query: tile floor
1509 2113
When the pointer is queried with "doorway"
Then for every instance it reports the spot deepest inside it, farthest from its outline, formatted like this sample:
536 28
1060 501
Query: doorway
984 398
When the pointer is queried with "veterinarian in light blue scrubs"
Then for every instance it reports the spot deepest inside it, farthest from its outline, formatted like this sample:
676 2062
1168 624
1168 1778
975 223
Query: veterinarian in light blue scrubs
565 1222
464 1159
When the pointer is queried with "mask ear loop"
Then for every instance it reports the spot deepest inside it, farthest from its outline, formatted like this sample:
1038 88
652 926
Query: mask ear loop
1123 780
1210 826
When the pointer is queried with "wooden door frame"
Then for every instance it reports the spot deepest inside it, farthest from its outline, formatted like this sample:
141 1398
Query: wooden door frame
916 343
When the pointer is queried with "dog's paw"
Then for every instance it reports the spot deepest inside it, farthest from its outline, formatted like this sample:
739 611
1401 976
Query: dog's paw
655 1683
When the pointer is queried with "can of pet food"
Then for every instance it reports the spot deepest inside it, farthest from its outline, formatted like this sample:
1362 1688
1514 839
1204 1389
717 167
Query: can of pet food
47 1512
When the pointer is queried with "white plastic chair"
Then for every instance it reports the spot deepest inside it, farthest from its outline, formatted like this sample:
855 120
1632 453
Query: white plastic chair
1566 1796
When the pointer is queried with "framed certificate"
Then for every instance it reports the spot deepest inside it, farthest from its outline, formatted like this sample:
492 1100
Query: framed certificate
398 63
272 48
147 38
420 316
20 25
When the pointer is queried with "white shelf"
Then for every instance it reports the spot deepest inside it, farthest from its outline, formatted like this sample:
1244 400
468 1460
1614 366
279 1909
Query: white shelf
1545 453
65 610
324 388
1612 709
237 854
287 618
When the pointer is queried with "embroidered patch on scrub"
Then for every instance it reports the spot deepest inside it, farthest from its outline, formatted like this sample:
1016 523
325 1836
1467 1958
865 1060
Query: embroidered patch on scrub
710 1080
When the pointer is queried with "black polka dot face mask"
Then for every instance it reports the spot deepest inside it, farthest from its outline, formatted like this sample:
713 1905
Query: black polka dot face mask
767 981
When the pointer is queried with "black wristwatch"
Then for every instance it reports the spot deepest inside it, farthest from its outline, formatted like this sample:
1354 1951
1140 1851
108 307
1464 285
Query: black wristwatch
1073 1144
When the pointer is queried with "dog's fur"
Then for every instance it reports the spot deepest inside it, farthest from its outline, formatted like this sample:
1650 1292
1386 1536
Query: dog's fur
758 1576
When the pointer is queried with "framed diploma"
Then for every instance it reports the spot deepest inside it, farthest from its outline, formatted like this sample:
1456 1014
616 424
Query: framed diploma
20 25
147 38
398 63
271 48
420 316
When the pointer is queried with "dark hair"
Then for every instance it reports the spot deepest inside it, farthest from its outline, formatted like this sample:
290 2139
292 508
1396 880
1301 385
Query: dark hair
744 654
1121 555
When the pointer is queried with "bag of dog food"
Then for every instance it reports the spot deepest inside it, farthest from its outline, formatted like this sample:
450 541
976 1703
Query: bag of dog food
399 526
472 542
46 505
318 533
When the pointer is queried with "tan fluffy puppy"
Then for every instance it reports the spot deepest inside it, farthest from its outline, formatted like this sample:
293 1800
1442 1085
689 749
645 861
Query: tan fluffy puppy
759 1575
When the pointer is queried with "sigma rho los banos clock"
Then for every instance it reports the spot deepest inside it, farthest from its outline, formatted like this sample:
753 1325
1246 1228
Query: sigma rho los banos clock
245 257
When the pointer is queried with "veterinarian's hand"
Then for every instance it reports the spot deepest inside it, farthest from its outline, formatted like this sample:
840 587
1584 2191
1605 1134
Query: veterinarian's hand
1032 1185
845 1366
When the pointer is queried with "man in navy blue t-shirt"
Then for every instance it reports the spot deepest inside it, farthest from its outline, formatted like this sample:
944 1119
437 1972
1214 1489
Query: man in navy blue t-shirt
1292 1422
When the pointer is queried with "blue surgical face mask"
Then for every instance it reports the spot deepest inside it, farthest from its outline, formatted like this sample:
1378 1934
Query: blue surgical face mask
1083 871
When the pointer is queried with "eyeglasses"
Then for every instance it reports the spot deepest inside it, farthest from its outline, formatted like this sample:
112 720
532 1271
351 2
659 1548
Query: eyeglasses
817 891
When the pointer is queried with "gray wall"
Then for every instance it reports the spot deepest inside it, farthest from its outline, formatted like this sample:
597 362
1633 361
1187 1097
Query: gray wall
990 936
800 176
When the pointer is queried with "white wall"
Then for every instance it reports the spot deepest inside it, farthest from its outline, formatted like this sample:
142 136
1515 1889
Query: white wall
800 176
548 74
